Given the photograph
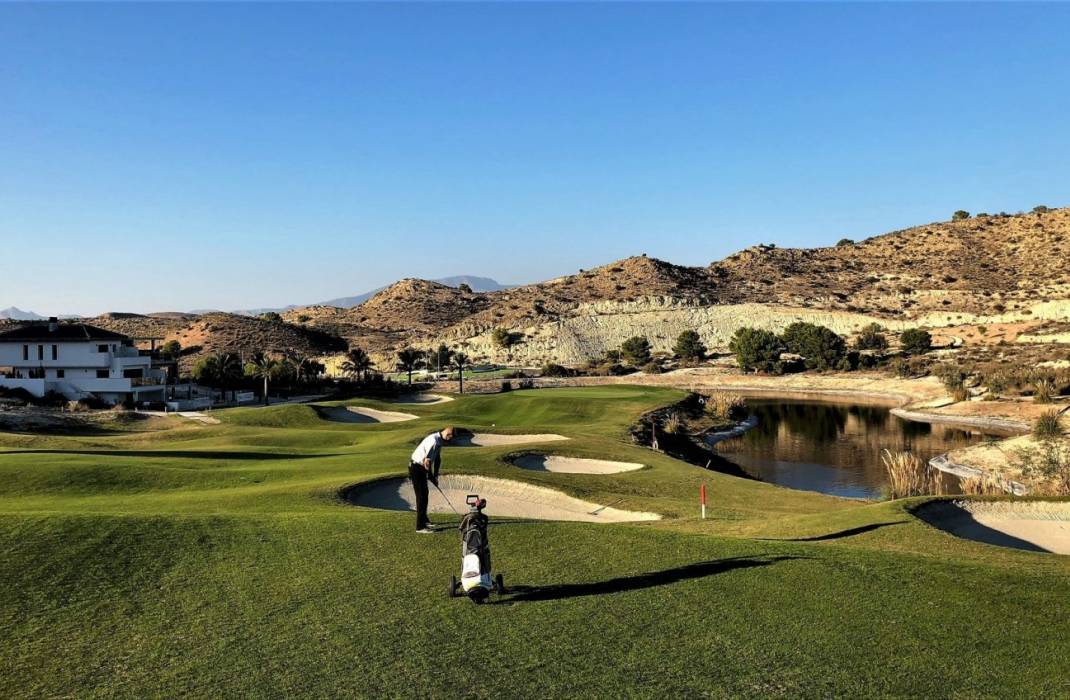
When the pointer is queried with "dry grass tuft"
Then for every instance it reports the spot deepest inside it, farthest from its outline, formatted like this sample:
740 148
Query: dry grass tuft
725 405
909 476
984 485
1047 425
673 424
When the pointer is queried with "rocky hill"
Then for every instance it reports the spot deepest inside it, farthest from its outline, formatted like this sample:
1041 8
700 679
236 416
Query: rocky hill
200 335
999 269
1002 272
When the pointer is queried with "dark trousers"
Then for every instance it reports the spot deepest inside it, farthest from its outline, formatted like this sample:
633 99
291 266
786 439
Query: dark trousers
419 484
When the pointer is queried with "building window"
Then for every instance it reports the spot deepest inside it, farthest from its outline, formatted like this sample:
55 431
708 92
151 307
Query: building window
59 374
55 352
26 353
133 373
102 374
102 348
37 373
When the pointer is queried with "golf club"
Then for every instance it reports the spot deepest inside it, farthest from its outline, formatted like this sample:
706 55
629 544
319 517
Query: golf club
447 499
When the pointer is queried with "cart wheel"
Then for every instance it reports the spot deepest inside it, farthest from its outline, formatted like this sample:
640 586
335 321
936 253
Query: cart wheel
453 586
500 581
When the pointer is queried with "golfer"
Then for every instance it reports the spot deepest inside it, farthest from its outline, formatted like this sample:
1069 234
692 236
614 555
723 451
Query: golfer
423 467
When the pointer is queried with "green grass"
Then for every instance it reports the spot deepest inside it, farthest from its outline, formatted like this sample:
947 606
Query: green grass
182 559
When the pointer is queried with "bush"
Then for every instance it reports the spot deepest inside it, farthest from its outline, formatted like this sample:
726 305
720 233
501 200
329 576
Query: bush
960 215
951 376
915 341
689 346
552 369
271 317
1049 462
636 350
1047 425
844 242
871 337
757 349
1041 209
820 347
653 367
503 338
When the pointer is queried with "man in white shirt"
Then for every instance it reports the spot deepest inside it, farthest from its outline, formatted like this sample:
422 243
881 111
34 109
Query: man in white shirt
423 467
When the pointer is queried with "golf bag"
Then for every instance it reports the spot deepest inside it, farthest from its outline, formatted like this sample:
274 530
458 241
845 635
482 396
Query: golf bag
476 579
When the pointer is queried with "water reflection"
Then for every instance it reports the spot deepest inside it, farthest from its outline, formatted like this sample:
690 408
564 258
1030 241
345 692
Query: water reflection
834 448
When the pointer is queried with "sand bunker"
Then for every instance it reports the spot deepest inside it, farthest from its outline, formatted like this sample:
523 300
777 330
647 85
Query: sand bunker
423 399
1039 526
573 465
359 414
505 498
496 440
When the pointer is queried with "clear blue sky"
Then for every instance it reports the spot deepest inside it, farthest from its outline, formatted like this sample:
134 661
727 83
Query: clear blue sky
159 157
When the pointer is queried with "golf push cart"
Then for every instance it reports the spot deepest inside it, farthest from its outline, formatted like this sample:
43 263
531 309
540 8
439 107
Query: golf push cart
476 581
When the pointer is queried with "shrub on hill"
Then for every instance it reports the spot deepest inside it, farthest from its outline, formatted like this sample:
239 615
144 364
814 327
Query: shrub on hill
552 369
871 338
820 347
843 242
636 350
960 215
757 349
915 341
504 338
689 346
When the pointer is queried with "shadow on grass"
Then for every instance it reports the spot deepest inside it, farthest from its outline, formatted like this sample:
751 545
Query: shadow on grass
173 454
652 579
851 532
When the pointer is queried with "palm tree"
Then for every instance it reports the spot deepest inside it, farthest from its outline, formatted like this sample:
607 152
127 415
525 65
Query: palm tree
460 361
408 360
263 367
226 370
357 363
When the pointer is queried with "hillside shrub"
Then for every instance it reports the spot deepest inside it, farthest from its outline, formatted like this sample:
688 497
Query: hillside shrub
757 349
636 350
503 338
552 369
871 337
915 341
689 346
960 215
1041 209
844 242
820 347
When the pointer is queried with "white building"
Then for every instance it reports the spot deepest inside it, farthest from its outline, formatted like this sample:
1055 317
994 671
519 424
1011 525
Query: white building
78 361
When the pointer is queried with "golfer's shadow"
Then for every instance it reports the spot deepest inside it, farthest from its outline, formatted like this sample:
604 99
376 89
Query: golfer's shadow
639 581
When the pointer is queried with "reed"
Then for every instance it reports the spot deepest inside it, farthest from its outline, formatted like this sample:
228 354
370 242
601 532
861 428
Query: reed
984 485
726 405
909 476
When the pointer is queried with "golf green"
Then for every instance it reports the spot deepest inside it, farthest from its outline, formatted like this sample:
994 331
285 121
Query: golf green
165 557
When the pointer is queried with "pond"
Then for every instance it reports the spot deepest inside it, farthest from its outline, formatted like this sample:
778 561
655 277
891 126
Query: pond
835 448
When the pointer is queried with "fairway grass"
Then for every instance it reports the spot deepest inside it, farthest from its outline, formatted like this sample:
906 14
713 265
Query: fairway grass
176 558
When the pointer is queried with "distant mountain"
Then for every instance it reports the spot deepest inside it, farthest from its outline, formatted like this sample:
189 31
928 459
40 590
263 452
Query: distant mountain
478 284
13 314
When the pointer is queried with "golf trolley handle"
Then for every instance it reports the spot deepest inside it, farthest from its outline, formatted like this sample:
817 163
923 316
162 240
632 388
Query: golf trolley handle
472 499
